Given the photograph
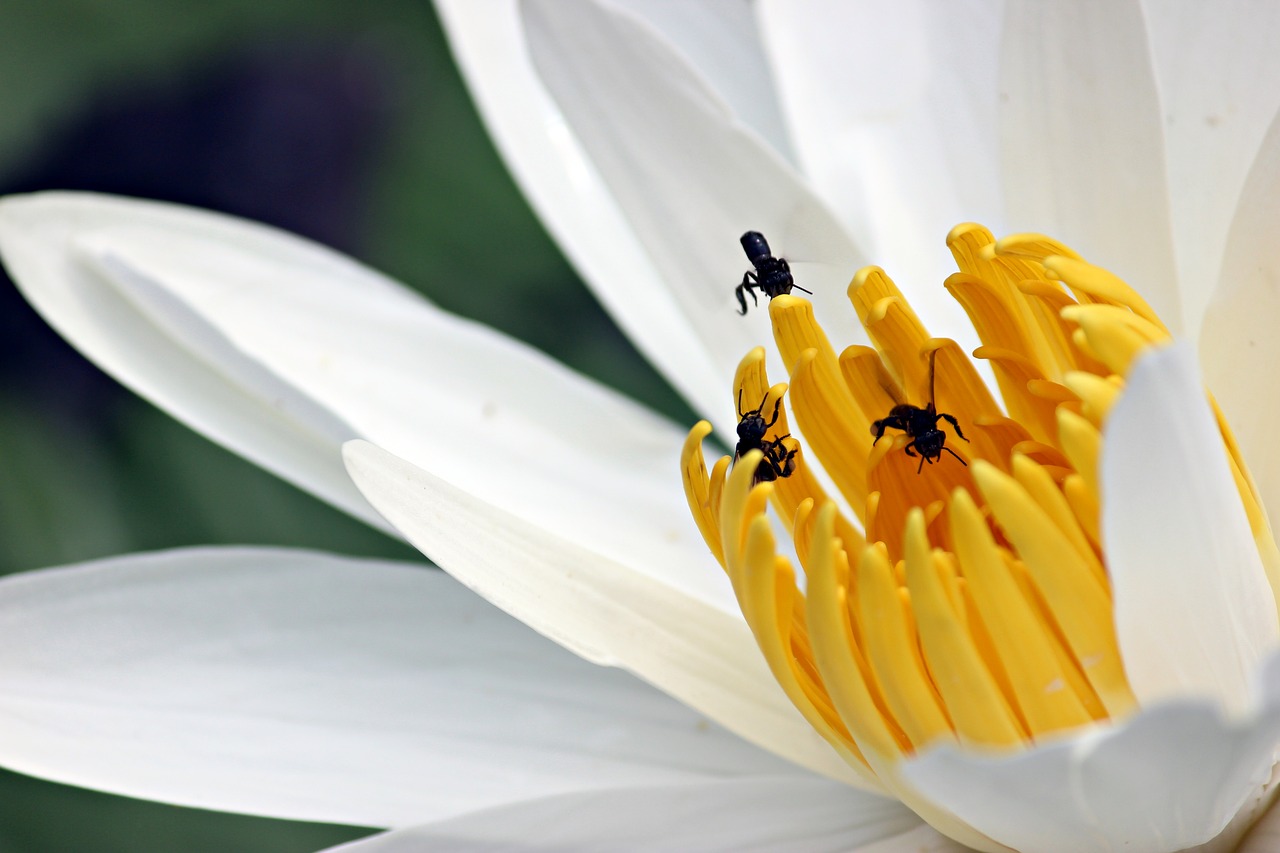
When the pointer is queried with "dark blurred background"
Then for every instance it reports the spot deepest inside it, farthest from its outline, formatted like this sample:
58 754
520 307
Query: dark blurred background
344 122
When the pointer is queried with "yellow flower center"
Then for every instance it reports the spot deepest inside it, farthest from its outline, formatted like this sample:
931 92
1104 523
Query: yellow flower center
969 601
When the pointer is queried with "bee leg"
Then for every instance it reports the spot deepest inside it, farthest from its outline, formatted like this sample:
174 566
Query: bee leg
749 282
954 424
777 405
789 463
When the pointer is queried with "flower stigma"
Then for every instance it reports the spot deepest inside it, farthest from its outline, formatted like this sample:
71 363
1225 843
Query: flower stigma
967 601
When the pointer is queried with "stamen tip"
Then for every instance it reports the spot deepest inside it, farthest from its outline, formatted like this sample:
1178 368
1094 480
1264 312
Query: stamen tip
964 229
786 302
984 473
753 357
861 276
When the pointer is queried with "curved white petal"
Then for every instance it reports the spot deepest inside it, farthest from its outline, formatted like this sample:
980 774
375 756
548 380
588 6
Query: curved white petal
598 608
1216 67
722 41
1239 344
241 403
896 111
571 198
308 686
1194 611
1083 143
1170 778
689 176
282 349
766 814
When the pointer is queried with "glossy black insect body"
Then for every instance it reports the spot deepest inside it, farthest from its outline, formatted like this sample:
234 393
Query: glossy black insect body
922 426
772 276
778 461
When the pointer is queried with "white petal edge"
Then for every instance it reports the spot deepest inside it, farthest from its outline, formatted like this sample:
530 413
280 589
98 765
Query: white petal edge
1263 821
1194 612
241 405
1083 142
570 197
308 686
749 814
1239 344
896 106
1216 66
1169 779
597 608
281 349
688 175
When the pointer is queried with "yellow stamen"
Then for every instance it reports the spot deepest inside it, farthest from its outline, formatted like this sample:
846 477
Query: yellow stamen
894 654
975 704
966 600
697 488
1022 640
896 330
1082 444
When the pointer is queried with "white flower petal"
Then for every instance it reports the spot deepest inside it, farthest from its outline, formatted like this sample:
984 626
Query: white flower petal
689 176
600 609
1262 823
1083 145
1168 779
1194 611
302 685
263 341
571 198
898 109
1265 836
1239 343
774 814
722 41
240 404
1217 68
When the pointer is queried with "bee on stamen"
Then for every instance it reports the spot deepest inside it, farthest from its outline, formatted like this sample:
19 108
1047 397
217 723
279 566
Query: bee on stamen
779 459
922 426
772 276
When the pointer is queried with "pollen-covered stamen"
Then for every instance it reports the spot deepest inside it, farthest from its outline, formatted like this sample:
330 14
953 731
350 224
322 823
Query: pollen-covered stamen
976 609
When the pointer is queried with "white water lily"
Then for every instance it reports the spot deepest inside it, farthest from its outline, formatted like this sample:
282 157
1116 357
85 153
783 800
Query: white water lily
306 686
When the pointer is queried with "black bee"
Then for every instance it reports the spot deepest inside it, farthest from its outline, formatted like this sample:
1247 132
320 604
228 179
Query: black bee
778 461
771 275
922 426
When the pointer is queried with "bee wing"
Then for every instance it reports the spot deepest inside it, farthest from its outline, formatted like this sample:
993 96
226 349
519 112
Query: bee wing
892 389
822 256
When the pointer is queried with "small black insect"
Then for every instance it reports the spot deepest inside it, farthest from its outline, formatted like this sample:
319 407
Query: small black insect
922 426
778 461
771 275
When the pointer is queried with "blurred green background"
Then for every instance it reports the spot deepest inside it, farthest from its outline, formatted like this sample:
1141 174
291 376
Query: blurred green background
342 121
